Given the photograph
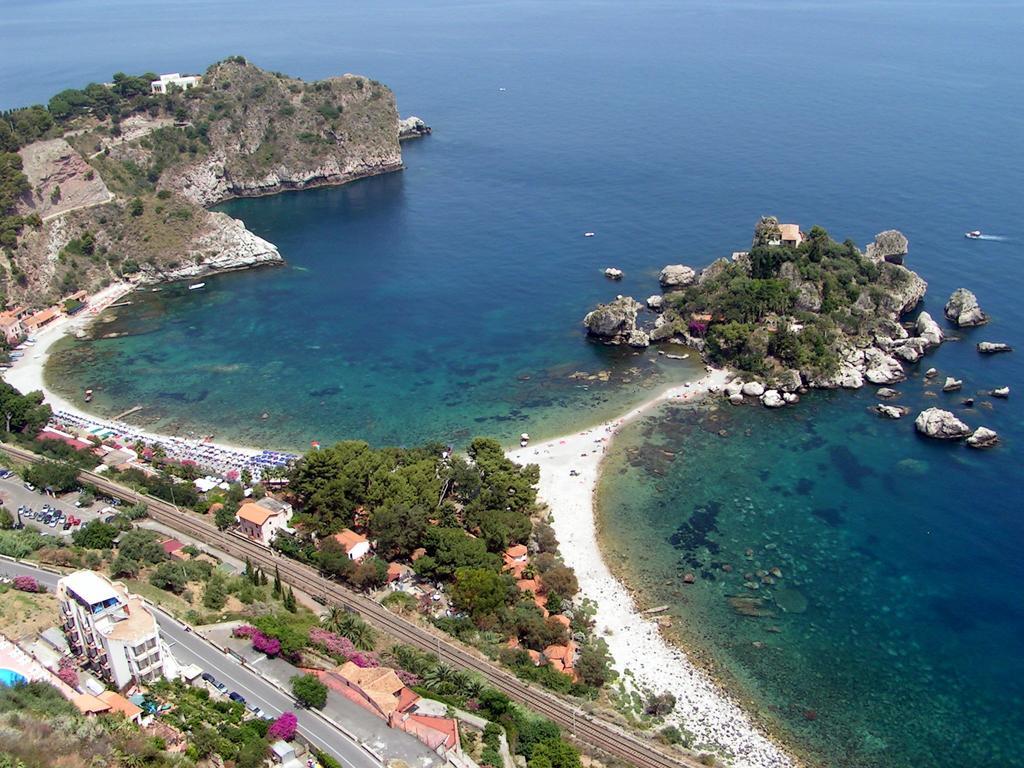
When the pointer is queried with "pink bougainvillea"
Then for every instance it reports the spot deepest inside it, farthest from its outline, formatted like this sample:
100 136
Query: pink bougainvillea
268 645
67 673
408 677
336 645
284 727
26 584
245 630
365 660
260 642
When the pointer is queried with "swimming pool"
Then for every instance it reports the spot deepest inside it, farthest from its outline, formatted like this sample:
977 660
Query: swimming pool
10 678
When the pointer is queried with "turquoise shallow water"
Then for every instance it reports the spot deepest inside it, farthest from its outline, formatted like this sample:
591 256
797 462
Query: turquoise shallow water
416 305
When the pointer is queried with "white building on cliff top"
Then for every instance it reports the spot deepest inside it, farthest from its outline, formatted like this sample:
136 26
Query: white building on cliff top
175 78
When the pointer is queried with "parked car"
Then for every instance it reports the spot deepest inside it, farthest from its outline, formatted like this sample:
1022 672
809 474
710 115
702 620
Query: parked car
256 711
29 487
220 686
236 696
209 678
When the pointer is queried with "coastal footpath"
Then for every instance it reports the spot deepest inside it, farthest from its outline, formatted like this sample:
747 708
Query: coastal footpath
111 182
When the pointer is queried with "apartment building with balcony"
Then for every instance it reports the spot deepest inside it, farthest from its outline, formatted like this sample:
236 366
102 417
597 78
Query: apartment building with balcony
112 630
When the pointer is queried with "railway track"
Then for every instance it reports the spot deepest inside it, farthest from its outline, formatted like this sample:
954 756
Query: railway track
594 731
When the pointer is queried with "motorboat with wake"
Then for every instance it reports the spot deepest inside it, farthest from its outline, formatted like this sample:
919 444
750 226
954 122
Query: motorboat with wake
974 234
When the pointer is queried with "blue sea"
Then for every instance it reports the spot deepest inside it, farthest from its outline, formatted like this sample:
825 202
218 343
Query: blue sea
445 301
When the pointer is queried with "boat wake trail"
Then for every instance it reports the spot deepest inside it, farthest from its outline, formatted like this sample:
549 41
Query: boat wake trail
996 238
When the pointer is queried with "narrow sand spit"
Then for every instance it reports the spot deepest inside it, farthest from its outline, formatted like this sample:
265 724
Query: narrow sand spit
634 641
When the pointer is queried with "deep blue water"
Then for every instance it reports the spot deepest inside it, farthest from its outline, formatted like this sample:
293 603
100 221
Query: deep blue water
445 300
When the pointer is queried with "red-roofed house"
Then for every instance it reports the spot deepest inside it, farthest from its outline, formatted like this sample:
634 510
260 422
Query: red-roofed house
261 520
435 732
515 558
173 548
356 545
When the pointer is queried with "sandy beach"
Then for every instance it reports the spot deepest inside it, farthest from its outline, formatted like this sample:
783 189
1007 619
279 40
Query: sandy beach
635 641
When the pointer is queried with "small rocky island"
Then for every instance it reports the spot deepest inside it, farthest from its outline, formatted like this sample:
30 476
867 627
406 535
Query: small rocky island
796 310
800 311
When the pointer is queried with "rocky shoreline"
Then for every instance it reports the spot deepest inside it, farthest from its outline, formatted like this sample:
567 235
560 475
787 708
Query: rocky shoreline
871 341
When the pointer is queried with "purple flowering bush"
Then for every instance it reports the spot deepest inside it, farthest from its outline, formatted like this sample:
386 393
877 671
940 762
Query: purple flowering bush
284 727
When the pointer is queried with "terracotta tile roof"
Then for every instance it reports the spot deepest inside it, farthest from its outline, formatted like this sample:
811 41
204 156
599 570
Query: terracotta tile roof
381 685
88 704
528 585
790 232
45 316
119 703
349 539
517 551
254 513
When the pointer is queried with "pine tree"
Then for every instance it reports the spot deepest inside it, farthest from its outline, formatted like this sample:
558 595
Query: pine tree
250 577
289 601
277 582
261 578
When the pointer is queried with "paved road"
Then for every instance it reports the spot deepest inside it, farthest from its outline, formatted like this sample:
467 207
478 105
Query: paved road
189 648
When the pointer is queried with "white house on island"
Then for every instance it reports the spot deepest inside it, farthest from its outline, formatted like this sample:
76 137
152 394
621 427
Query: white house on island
175 78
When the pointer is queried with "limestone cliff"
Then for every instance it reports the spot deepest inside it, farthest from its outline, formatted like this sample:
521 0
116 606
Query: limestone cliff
268 133
115 187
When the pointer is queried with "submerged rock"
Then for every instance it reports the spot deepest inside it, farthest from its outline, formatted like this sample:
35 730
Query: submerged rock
675 276
983 437
962 308
940 424
886 394
790 600
991 347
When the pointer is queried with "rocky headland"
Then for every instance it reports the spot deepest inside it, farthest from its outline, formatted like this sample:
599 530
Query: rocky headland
111 182
810 313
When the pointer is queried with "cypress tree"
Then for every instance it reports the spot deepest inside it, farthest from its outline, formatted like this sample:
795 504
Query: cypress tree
277 582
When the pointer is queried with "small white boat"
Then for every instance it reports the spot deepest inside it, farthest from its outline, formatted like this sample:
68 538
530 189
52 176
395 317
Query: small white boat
196 286
588 234
974 234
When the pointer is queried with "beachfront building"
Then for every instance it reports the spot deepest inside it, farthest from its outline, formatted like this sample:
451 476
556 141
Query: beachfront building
356 545
44 317
11 325
261 520
111 630
175 79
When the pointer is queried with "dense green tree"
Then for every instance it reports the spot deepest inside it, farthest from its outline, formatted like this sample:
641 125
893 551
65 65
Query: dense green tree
6 520
449 549
171 576
554 753
561 579
398 529
95 535
124 568
224 517
57 476
333 560
215 594
142 545
480 592
370 573
594 664
309 691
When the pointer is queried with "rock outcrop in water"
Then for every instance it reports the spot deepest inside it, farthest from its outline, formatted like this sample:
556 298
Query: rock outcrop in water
983 437
615 322
941 425
963 309
412 127
676 276
993 347
891 246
